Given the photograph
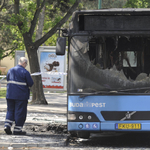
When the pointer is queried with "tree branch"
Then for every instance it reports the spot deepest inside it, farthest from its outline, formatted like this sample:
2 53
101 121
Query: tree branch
7 54
59 24
36 15
2 5
16 6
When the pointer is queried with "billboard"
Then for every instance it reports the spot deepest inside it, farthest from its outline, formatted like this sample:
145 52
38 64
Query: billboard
53 68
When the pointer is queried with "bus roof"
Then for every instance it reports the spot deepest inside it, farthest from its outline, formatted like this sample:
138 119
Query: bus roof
133 21
115 10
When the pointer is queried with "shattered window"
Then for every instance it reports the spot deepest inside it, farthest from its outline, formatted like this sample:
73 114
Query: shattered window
104 64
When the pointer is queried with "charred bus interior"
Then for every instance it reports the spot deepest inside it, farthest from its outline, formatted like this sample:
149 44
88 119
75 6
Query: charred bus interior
109 51
130 54
129 50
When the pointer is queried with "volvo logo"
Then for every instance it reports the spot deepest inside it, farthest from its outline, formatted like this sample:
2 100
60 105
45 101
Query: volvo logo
128 115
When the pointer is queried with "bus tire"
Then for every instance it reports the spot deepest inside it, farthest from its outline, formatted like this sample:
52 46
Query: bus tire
84 135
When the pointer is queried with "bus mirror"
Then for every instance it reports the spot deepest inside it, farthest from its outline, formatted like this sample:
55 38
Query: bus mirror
60 46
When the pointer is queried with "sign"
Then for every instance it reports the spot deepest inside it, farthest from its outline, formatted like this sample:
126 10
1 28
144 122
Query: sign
53 68
18 54
128 126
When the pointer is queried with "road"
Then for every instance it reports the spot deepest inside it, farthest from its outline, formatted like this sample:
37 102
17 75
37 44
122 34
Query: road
46 129
109 142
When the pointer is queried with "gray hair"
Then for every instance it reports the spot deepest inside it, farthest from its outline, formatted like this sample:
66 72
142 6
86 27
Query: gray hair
22 60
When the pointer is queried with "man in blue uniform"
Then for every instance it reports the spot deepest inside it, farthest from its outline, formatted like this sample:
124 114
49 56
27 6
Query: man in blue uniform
18 83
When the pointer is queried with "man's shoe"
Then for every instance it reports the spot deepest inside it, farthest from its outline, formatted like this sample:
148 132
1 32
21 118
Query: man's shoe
19 133
8 130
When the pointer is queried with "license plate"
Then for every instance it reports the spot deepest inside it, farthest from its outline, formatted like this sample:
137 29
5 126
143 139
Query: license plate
128 126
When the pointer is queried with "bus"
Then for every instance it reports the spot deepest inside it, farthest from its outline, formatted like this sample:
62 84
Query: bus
108 82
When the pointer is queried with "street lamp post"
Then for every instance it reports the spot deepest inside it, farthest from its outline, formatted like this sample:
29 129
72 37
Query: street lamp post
99 4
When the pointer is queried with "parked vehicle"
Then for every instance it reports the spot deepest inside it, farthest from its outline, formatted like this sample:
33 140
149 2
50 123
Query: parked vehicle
108 71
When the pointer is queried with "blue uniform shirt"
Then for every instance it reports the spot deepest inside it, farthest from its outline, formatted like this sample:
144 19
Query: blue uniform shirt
18 83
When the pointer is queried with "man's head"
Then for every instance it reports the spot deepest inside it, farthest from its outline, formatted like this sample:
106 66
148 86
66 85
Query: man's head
23 62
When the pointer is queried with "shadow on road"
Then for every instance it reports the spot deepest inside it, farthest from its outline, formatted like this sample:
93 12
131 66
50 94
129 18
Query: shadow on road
125 140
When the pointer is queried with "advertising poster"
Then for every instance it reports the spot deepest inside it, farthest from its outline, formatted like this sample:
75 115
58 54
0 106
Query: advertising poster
52 70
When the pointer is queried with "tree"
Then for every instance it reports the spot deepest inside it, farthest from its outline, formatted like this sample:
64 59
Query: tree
7 36
22 18
113 3
21 25
2 4
138 4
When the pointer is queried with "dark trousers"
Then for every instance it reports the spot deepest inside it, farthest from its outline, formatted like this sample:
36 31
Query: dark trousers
16 111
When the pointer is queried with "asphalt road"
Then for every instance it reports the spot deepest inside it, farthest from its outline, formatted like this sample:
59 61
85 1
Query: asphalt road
46 129
39 118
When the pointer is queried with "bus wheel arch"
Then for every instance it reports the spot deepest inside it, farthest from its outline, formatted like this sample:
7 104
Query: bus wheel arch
83 134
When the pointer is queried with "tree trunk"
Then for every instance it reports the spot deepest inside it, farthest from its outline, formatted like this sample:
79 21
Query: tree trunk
37 89
40 25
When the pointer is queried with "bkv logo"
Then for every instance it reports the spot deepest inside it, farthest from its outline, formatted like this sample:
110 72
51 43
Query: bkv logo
87 104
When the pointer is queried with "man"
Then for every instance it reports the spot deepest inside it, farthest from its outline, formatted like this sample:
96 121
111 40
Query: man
18 83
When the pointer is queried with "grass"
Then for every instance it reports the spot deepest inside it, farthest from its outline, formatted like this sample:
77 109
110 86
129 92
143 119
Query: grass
2 92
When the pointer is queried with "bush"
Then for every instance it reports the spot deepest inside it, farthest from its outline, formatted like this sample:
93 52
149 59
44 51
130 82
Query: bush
2 93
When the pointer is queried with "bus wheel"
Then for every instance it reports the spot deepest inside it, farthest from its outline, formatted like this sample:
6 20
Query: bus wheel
84 135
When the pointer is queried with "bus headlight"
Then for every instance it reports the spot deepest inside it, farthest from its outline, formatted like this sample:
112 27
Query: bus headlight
89 117
71 117
80 117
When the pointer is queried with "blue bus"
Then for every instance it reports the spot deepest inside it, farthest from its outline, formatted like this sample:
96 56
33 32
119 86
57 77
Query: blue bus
108 83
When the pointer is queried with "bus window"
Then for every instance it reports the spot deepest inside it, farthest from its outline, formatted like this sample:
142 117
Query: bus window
109 63
108 55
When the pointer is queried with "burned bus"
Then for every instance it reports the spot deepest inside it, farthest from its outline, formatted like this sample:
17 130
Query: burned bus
108 85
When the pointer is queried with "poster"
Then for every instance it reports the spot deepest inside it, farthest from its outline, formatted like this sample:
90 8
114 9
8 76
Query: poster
52 69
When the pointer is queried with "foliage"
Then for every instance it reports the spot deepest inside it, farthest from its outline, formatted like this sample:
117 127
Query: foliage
138 4
54 13
93 4
8 38
113 3
11 37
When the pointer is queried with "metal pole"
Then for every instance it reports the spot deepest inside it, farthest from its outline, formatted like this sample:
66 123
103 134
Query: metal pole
99 4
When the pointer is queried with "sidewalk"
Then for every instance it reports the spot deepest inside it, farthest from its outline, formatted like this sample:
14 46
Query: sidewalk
39 118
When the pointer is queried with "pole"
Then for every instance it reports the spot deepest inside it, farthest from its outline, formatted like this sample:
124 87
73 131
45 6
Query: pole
99 4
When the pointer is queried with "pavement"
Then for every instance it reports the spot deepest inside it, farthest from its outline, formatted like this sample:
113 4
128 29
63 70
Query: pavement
38 116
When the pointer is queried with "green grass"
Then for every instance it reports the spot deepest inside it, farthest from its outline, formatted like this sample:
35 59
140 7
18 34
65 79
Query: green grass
2 92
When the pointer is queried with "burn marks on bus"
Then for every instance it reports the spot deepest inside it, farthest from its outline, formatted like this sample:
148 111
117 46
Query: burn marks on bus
129 54
109 63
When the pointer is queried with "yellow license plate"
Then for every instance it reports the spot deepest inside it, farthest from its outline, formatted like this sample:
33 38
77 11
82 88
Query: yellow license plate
128 126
